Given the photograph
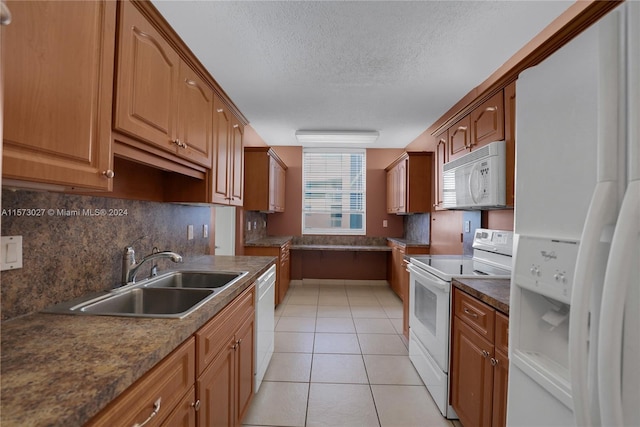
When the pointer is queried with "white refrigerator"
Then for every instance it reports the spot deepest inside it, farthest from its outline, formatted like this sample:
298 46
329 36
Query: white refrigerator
575 298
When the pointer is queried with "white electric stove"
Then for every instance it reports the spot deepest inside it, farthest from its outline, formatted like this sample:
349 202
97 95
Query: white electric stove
430 304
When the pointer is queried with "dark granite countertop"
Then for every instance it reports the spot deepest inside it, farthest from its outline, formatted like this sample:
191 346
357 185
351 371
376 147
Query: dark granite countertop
61 370
269 241
494 292
405 242
359 248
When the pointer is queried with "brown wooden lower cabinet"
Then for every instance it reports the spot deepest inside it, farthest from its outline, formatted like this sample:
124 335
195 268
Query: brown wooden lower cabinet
283 265
207 381
158 392
184 415
215 389
479 362
225 385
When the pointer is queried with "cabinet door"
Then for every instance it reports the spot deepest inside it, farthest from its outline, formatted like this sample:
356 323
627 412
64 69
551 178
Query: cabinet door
58 94
236 190
185 413
281 187
244 368
195 124
273 184
391 191
441 159
500 385
487 121
471 376
216 390
285 271
221 165
146 87
401 184
397 254
459 137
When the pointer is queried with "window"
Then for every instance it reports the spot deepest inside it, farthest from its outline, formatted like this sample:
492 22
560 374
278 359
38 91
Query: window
333 187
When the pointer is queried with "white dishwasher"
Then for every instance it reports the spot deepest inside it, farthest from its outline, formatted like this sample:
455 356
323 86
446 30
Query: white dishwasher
265 323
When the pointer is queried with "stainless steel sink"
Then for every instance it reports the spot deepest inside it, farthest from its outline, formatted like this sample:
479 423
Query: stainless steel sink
195 280
148 302
172 295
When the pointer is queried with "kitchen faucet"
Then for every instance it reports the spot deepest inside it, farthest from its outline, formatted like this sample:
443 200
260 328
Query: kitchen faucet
130 266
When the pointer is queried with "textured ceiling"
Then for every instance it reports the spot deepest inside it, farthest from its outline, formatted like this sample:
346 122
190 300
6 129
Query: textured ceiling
390 66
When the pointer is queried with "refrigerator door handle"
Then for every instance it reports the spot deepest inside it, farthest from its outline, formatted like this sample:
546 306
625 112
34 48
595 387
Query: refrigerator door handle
602 213
622 259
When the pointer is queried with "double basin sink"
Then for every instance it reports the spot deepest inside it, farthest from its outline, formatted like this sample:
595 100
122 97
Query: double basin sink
171 295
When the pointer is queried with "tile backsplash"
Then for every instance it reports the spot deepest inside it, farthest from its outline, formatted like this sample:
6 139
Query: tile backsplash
416 227
73 244
258 222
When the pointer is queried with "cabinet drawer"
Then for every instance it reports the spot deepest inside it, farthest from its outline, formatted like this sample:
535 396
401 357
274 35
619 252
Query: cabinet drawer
218 333
502 332
475 313
167 382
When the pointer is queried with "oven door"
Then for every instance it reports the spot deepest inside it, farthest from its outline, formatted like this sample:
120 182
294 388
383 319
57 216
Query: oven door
429 313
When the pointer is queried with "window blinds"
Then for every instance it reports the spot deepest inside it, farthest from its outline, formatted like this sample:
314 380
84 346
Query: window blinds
334 182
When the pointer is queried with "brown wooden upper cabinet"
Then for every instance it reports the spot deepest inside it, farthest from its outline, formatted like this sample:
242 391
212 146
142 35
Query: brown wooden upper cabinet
227 174
264 184
409 183
160 99
459 138
487 121
442 157
58 129
483 125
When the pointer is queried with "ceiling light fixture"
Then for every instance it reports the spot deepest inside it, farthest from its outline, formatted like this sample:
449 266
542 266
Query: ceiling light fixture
306 137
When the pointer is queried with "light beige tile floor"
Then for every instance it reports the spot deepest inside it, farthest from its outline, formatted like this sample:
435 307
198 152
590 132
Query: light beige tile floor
340 361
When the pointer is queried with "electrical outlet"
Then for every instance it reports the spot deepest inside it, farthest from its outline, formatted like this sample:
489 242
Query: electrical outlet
385 223
205 231
248 225
190 232
255 225
467 226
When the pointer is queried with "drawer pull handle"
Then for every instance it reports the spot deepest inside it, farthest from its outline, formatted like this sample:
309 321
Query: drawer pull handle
196 405
156 409
470 313
485 353
109 173
494 362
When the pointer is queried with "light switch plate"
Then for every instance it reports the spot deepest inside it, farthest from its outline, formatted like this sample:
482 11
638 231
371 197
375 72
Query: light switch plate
189 232
205 231
11 253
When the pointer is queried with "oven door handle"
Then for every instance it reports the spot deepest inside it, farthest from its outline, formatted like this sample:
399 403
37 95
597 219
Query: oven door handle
429 280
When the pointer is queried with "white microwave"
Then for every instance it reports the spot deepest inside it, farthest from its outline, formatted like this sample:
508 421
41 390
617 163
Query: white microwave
476 180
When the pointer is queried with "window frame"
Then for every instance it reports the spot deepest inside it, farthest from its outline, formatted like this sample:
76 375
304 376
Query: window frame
336 231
